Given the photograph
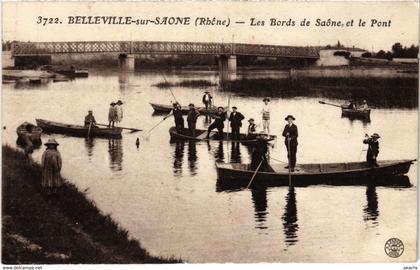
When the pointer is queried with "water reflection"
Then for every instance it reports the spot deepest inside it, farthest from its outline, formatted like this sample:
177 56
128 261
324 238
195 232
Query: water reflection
115 154
178 158
192 157
89 144
290 218
370 210
259 198
219 154
235 155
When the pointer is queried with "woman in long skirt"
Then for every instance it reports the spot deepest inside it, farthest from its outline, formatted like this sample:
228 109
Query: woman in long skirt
51 166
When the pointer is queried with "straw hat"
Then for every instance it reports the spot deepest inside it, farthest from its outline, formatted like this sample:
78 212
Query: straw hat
119 102
251 119
375 135
51 141
289 117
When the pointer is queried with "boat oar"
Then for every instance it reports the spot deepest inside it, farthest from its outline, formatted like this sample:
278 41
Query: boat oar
255 173
132 129
331 104
90 125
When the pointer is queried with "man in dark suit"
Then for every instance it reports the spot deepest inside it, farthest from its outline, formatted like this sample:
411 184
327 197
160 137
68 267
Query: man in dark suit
373 150
179 119
290 134
219 119
235 119
192 119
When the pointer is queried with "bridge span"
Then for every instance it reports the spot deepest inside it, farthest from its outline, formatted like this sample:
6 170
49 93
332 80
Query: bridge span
127 49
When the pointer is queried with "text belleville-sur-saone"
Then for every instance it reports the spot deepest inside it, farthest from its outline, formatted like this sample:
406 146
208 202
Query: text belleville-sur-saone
127 20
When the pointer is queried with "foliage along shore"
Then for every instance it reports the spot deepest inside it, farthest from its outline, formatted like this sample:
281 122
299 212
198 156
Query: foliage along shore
66 228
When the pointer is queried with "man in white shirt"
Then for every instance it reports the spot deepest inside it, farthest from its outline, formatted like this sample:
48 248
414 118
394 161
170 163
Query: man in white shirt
266 110
207 100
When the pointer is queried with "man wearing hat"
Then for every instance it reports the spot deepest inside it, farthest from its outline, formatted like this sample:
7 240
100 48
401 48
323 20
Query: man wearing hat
259 153
219 119
90 120
290 134
112 115
51 166
266 115
192 119
119 111
207 100
179 119
252 129
373 150
235 119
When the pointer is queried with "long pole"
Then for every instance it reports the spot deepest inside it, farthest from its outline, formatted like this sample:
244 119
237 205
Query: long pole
288 157
255 173
170 89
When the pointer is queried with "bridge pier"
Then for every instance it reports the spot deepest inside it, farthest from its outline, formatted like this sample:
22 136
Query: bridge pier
126 62
227 67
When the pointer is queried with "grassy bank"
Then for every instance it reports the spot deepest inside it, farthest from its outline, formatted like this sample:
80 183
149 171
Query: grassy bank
67 228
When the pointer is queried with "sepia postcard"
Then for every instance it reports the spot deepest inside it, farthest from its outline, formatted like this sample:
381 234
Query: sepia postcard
173 132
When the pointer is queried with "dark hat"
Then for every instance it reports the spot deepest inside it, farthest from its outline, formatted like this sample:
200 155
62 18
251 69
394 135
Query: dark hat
266 99
251 119
207 92
375 135
234 107
90 111
119 102
289 116
175 103
51 141
220 107
112 103
191 104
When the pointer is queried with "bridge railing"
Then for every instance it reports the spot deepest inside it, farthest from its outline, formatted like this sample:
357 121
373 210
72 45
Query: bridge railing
157 47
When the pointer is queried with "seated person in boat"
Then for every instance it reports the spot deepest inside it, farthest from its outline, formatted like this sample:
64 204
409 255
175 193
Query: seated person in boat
90 120
290 134
352 105
179 119
364 106
219 119
373 150
235 119
207 100
192 119
259 154
252 129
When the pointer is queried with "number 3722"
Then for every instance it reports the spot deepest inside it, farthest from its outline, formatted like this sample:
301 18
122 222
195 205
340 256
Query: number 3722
44 21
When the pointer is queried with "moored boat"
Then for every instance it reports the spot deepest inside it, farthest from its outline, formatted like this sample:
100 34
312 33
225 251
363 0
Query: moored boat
28 134
165 109
76 130
307 174
201 135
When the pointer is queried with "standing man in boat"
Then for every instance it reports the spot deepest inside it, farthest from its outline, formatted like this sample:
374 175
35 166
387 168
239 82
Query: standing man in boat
207 100
265 112
192 119
119 112
51 163
259 154
112 115
179 119
235 119
373 150
252 129
219 119
90 120
290 134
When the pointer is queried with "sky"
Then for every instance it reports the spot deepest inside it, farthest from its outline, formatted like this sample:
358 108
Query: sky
20 22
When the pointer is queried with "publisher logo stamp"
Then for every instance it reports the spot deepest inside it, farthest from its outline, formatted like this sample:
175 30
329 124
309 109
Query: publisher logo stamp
394 247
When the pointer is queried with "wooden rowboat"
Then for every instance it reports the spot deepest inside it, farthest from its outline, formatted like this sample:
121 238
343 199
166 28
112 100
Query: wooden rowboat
165 109
355 113
200 135
307 174
28 134
76 130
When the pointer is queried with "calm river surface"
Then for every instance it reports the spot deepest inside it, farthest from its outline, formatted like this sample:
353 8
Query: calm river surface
165 194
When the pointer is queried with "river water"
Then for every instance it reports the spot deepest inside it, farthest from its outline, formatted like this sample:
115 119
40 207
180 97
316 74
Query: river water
166 194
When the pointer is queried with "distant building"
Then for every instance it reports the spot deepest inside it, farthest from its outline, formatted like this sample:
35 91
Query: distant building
338 55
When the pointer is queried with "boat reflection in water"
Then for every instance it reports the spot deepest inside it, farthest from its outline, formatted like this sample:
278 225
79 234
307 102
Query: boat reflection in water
259 198
178 157
235 154
115 154
290 219
89 144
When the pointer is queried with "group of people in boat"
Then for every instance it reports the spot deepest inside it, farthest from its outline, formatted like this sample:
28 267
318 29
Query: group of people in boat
353 106
115 116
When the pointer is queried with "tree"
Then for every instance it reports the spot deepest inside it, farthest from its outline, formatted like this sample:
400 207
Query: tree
397 50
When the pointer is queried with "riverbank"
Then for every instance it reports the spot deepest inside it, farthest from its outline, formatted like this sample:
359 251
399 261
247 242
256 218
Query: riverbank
67 228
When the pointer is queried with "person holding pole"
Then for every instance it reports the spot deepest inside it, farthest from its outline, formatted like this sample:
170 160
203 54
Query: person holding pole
373 150
290 134
179 119
90 120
